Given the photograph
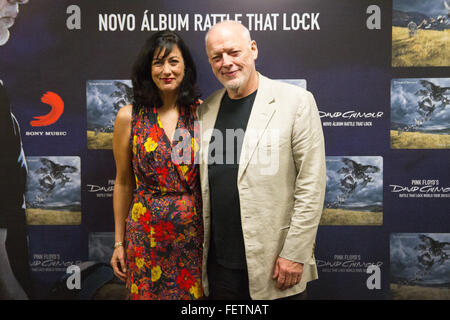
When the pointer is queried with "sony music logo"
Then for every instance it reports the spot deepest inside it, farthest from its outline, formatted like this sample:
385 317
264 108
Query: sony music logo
46 133
56 110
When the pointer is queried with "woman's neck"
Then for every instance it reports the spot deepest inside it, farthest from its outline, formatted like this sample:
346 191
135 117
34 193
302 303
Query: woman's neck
169 101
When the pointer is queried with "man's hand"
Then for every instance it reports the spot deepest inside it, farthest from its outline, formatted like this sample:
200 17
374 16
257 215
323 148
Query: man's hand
288 273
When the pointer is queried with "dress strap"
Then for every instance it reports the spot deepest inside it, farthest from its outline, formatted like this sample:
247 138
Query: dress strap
133 124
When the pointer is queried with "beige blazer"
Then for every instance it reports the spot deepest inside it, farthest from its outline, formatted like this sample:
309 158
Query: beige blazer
281 183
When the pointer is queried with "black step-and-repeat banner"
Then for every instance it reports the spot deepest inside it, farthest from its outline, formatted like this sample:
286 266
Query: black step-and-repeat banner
379 71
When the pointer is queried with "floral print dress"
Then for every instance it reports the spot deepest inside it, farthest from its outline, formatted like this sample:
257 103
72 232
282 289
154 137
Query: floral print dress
164 229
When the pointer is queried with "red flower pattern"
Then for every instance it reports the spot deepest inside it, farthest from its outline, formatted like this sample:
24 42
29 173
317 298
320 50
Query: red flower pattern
185 280
164 247
164 231
145 221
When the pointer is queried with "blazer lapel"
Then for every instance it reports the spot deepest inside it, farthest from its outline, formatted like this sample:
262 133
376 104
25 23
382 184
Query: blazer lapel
262 111
208 116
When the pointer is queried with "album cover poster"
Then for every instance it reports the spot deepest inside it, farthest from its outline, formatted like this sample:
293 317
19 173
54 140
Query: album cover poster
53 195
354 191
420 33
420 113
104 98
420 266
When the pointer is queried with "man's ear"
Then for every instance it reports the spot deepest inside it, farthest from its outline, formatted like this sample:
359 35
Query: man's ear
254 49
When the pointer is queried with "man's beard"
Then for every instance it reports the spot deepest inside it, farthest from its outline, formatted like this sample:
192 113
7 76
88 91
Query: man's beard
235 84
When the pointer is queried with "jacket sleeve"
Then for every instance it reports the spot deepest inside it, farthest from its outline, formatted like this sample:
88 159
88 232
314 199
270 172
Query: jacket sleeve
308 150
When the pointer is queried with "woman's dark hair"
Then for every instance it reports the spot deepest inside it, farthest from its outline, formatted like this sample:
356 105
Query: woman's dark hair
144 89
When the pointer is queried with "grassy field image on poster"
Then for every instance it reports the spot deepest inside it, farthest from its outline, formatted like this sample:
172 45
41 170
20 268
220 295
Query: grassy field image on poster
104 98
420 33
420 266
420 113
53 195
354 191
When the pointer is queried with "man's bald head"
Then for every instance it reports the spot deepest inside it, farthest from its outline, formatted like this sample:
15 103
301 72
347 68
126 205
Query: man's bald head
229 26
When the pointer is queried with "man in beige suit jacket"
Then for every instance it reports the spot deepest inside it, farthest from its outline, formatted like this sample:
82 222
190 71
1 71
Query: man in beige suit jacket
280 176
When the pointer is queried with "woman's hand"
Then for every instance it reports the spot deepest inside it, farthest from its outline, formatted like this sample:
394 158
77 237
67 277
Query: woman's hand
118 263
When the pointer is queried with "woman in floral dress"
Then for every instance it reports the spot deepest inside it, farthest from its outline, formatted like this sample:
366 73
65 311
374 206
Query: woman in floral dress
157 199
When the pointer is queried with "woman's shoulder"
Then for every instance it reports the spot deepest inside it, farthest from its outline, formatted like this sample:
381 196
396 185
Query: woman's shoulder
124 116
125 113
